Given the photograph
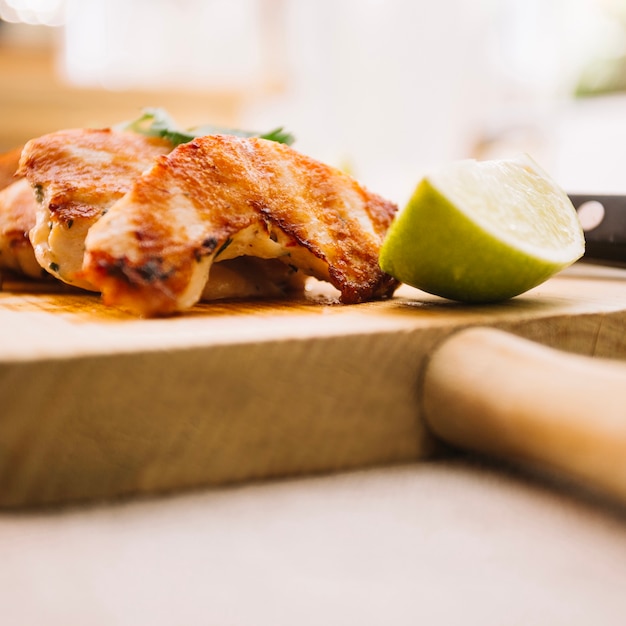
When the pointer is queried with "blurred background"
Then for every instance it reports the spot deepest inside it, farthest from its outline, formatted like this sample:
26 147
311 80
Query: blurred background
385 88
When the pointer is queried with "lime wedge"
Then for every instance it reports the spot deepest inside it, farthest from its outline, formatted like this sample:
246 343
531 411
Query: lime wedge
483 231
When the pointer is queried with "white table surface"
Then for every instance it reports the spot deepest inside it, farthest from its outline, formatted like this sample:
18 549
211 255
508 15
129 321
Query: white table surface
443 542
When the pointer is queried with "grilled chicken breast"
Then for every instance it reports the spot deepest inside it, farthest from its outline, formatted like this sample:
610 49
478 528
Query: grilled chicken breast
77 175
222 197
17 217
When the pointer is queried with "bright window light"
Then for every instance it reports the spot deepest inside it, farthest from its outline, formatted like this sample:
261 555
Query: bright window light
35 12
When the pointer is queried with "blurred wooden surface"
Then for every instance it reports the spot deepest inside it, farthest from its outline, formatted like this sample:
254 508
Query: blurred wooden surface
35 100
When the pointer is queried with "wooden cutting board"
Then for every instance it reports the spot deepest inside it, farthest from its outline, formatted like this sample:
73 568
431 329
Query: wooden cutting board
96 404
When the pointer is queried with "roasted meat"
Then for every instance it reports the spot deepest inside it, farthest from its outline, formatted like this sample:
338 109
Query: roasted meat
17 217
222 197
76 176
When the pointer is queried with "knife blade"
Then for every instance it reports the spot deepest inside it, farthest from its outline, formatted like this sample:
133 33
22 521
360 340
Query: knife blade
603 218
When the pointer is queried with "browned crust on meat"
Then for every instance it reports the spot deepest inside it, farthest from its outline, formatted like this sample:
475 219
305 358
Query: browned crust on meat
143 289
79 188
228 184
76 175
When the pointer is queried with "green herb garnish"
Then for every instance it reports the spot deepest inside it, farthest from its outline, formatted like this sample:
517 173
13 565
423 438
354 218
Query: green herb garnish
39 194
157 123
223 247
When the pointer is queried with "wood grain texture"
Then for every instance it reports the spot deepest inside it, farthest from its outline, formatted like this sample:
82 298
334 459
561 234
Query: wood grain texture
95 404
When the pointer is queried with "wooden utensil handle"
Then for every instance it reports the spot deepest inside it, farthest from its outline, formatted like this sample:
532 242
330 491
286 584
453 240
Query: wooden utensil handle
489 391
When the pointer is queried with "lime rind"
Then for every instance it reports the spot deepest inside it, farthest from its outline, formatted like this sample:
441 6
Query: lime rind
483 232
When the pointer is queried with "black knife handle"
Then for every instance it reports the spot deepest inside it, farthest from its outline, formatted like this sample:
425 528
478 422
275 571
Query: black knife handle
604 222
